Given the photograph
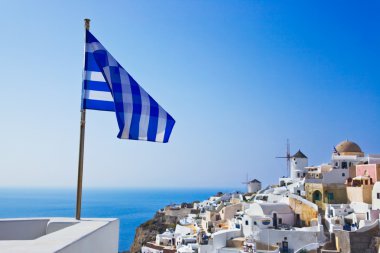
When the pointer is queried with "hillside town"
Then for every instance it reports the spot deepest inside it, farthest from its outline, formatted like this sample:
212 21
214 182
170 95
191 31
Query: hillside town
331 207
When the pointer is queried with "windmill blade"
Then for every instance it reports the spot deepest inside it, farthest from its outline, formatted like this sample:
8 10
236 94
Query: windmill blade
288 157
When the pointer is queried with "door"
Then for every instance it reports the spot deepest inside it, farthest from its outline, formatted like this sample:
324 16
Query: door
275 220
298 220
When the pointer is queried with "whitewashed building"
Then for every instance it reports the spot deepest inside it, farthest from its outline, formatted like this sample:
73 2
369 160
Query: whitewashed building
376 196
264 215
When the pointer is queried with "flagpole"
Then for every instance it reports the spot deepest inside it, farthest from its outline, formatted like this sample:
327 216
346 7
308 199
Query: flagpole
81 146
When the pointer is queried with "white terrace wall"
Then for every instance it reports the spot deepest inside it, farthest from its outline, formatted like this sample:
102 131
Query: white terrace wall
14 229
59 235
296 238
103 240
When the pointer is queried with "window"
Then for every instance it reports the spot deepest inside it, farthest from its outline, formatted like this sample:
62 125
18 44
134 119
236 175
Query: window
378 195
330 196
246 222
344 165
298 174
279 220
343 174
254 223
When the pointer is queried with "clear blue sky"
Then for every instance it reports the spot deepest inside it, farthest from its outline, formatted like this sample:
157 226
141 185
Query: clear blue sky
239 77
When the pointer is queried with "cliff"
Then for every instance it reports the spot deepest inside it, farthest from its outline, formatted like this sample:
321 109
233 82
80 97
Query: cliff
147 231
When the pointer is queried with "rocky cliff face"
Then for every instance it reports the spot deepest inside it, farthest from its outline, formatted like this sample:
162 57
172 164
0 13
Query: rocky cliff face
147 231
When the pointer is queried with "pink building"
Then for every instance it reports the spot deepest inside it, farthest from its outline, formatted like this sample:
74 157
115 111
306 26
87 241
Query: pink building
370 170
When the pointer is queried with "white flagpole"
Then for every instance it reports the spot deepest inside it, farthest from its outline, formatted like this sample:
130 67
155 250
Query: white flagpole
81 145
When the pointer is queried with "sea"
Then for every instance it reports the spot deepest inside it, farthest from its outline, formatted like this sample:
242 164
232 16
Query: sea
131 206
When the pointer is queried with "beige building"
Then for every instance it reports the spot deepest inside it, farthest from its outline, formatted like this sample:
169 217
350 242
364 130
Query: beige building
359 189
228 212
218 219
209 219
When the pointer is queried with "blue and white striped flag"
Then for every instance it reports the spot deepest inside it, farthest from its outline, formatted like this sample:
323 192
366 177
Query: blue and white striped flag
107 86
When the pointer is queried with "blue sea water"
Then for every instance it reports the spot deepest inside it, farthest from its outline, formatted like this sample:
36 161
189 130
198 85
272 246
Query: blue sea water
131 206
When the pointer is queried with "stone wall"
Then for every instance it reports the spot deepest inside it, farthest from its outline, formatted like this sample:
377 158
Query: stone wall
358 241
180 213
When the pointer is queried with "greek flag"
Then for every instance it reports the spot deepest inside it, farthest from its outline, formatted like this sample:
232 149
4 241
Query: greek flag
107 86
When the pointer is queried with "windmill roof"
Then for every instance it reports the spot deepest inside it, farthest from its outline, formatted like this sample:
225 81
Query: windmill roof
254 181
299 154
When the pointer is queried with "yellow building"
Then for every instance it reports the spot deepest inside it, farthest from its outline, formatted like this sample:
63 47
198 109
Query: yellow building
321 194
305 212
